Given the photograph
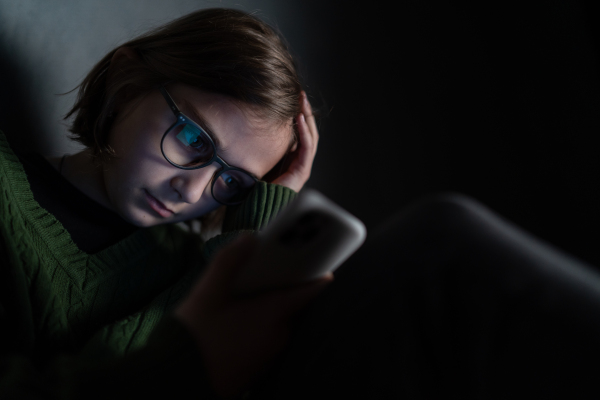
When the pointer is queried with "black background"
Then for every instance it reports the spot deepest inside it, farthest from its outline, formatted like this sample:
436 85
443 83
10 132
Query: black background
498 100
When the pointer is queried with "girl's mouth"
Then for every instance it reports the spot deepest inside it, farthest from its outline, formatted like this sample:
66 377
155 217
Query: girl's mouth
157 206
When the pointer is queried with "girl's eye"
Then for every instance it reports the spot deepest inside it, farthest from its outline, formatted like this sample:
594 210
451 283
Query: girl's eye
196 142
230 181
191 137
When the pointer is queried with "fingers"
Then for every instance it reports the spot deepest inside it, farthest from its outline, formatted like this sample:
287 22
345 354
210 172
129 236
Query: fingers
310 119
305 153
301 158
286 302
308 128
298 298
308 139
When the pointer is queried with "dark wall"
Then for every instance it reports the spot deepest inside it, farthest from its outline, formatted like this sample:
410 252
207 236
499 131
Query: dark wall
498 101
19 115
495 100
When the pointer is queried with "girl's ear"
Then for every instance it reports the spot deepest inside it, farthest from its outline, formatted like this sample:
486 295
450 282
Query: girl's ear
121 56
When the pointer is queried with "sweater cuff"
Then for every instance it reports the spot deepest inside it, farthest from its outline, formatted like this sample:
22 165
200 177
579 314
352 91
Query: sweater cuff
263 204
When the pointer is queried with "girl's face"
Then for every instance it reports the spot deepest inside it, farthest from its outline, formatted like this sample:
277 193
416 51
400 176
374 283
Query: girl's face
146 190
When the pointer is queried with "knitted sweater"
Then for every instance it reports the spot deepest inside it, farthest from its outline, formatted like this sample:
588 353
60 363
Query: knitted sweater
76 325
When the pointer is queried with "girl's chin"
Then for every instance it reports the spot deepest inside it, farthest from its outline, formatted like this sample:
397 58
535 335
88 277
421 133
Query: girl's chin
144 219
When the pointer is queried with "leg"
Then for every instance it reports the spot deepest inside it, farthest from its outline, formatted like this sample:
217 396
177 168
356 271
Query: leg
447 300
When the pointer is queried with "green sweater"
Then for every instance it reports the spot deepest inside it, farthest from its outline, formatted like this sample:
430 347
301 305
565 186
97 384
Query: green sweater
76 325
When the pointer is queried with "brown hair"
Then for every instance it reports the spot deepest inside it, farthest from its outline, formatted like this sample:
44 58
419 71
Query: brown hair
220 50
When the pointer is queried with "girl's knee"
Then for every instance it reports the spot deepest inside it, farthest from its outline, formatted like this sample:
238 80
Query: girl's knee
443 213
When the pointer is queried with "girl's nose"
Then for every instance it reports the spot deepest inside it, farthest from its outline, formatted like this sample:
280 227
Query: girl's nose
191 184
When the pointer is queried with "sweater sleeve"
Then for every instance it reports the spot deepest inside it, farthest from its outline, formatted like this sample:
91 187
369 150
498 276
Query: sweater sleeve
262 205
168 366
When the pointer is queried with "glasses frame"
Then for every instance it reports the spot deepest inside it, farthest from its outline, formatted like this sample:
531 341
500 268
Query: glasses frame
181 119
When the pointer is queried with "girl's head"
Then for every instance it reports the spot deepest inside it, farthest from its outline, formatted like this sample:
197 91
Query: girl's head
226 70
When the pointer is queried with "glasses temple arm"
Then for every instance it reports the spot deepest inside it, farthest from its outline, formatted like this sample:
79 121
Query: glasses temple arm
169 100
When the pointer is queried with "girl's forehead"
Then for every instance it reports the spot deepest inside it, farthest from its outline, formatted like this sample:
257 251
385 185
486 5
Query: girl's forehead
225 116
246 138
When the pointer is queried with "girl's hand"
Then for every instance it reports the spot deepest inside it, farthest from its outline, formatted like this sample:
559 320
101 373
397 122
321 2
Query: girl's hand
240 337
298 163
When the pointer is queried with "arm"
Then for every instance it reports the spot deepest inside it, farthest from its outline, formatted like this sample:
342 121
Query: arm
176 360
276 191
239 338
168 365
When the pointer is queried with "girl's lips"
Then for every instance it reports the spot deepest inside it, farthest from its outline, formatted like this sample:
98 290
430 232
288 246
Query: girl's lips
157 206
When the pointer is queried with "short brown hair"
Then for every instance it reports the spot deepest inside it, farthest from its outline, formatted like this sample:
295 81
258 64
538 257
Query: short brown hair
225 51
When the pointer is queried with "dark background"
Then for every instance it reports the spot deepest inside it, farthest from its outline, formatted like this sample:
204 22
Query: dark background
499 101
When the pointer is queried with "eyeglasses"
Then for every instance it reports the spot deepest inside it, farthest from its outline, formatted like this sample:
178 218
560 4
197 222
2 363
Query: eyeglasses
186 145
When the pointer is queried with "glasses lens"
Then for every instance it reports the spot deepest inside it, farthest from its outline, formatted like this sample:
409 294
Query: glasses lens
187 146
232 186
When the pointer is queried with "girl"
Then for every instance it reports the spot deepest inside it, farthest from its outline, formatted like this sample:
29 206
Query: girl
201 118
101 292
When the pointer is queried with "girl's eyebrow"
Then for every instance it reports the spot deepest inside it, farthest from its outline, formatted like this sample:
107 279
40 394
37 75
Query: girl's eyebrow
203 124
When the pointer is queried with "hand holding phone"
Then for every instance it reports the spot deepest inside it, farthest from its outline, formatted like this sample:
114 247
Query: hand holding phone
309 238
239 337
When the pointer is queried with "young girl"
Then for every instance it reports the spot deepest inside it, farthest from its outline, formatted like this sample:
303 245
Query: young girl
201 118
104 295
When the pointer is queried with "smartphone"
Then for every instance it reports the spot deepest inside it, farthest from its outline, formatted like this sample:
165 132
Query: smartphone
310 237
